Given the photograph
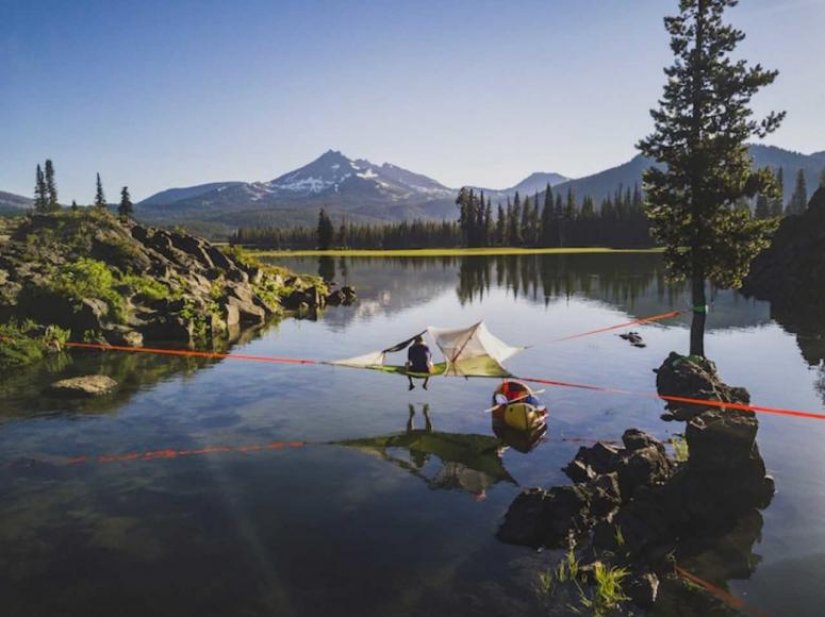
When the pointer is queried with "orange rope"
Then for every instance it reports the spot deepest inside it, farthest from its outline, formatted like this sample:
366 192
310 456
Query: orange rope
168 453
195 354
675 399
727 597
683 399
642 320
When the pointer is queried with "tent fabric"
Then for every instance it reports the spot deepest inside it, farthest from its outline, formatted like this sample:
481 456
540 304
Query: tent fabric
469 352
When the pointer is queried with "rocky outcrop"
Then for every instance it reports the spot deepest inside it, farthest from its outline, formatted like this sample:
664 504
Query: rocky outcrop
118 281
693 377
640 506
82 387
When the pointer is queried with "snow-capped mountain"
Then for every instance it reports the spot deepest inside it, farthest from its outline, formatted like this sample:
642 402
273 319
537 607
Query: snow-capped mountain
355 189
334 173
332 177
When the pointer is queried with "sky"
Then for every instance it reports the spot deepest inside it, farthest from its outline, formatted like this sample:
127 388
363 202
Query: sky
169 93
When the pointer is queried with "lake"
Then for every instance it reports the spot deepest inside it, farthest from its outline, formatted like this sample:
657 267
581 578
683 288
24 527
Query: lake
279 517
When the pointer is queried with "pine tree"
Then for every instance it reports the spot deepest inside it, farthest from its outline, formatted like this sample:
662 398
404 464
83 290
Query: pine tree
700 135
74 206
515 237
324 231
501 226
558 215
763 207
100 198
51 188
41 198
125 209
547 217
799 199
343 236
526 230
776 202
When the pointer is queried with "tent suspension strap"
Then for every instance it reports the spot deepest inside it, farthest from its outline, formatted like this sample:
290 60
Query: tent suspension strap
194 354
810 415
642 320
565 384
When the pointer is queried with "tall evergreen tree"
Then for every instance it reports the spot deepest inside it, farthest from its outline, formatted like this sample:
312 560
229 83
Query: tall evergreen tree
799 198
547 217
701 130
514 233
51 188
488 224
74 206
526 230
41 197
324 231
100 198
501 226
776 201
558 215
763 207
125 209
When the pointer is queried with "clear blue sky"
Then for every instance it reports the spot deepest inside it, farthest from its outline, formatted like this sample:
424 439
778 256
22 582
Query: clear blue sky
161 93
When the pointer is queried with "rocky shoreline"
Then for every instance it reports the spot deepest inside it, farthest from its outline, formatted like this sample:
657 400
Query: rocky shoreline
638 509
116 281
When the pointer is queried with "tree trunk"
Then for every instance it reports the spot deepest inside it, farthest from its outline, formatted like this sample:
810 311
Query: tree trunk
697 326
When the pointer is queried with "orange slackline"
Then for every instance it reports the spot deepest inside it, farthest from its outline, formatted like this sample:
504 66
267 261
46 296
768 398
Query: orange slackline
168 453
683 399
675 399
197 354
642 320
727 597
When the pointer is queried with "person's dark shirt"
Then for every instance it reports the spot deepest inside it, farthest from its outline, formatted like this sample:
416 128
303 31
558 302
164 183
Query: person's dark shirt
419 358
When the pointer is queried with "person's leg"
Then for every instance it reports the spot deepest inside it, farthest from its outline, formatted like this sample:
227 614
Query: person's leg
426 381
412 385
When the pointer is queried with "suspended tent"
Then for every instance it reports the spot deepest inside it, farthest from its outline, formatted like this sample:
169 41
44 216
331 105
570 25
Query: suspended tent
468 352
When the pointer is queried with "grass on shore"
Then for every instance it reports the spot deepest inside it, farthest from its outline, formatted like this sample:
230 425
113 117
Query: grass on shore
442 252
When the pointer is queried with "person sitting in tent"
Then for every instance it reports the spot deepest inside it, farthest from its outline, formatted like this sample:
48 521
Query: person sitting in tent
419 360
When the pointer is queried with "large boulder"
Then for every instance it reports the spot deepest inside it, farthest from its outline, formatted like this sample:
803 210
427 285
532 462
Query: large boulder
694 377
547 518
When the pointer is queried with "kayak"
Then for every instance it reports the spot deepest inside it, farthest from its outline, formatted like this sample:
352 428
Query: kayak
516 406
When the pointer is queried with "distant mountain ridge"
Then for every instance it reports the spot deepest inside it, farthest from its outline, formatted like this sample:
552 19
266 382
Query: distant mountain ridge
14 204
355 189
362 192
534 183
627 175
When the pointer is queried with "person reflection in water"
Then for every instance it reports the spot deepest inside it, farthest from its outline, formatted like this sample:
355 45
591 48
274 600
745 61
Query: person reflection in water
419 360
418 457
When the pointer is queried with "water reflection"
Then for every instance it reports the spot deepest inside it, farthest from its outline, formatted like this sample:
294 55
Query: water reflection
25 390
468 462
633 283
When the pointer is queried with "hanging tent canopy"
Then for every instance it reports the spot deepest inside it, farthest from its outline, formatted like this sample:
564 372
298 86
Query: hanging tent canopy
468 352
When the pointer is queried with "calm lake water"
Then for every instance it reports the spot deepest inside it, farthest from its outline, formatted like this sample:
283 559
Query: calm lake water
356 529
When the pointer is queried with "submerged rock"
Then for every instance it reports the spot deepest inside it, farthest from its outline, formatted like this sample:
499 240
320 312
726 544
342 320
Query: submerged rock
86 386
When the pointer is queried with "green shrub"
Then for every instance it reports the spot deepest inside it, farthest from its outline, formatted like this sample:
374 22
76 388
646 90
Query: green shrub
90 278
146 286
21 345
